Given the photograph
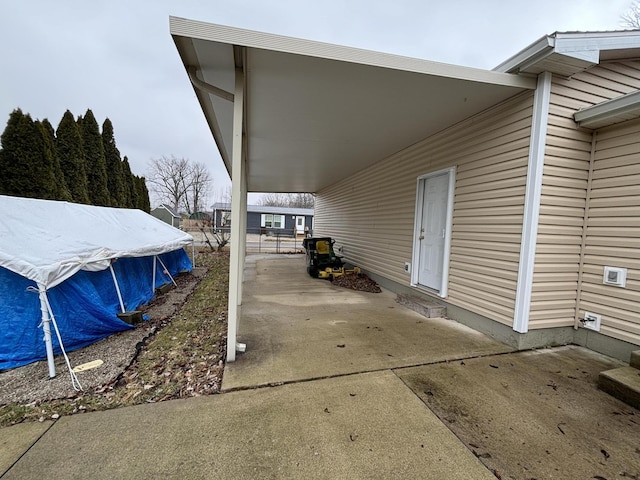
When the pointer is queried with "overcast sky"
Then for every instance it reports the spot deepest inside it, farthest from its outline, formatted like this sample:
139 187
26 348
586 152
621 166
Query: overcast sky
117 57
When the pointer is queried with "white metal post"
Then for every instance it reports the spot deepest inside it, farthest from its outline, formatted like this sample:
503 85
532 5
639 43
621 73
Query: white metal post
115 282
153 281
243 237
237 173
46 327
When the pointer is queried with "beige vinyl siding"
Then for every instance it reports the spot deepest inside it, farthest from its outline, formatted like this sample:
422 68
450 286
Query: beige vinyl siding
371 214
564 189
613 232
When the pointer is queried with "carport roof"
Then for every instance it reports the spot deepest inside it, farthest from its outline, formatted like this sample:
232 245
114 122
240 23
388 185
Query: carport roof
316 113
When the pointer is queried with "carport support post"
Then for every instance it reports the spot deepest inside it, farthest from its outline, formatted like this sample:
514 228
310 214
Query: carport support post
243 214
238 202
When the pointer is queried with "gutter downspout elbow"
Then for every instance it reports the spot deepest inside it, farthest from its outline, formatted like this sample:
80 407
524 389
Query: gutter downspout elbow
206 87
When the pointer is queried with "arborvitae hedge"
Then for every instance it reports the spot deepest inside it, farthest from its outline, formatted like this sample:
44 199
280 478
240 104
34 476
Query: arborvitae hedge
71 155
26 166
94 160
61 191
75 163
114 165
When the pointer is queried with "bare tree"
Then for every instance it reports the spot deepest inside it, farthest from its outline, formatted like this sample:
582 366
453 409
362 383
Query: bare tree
304 200
631 19
291 200
168 178
180 183
224 195
222 233
200 183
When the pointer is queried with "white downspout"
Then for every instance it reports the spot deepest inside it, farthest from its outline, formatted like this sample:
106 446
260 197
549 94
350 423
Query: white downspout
533 193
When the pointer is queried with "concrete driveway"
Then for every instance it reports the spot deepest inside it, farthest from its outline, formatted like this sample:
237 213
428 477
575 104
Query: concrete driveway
338 384
300 328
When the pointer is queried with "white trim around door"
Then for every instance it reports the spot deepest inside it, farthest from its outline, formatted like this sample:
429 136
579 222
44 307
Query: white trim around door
432 231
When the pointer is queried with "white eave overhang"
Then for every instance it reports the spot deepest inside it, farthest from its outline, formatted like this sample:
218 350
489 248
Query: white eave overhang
620 109
566 54
316 113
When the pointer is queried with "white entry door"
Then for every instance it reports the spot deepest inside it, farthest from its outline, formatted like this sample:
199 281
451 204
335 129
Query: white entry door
300 225
432 225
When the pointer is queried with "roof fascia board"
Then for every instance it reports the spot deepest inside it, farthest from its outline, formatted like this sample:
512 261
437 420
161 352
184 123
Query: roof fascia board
538 50
578 45
619 40
543 49
629 103
252 39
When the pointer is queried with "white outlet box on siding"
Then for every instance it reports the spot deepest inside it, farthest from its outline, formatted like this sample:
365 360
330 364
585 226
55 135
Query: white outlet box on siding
592 321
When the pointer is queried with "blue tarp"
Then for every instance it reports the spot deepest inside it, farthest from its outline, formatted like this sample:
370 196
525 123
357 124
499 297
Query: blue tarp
85 306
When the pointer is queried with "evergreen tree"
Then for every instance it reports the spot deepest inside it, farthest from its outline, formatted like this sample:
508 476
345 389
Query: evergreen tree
61 190
130 199
71 155
27 170
115 183
94 160
143 195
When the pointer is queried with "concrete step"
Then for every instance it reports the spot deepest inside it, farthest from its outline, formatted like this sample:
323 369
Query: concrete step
622 383
427 308
635 359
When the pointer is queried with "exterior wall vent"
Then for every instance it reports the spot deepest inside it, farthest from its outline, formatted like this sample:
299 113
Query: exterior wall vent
615 276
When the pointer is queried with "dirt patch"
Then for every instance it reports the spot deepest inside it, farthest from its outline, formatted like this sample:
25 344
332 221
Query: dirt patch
536 414
357 281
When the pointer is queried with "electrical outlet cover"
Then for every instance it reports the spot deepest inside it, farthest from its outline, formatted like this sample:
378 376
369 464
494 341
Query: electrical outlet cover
594 324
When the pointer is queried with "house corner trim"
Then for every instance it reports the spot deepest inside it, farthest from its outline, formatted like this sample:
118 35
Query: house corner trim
532 202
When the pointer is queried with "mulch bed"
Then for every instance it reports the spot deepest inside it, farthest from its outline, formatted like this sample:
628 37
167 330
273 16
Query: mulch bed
357 281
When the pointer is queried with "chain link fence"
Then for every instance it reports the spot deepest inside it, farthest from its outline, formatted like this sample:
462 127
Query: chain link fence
259 240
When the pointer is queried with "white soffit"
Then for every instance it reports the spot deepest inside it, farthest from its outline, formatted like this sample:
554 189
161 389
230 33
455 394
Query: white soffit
317 113
620 109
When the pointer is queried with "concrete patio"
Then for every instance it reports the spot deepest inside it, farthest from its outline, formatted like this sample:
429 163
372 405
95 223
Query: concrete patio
343 384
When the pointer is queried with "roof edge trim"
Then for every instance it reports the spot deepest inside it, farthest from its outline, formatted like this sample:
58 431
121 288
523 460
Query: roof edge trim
248 38
600 113
584 46
538 50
